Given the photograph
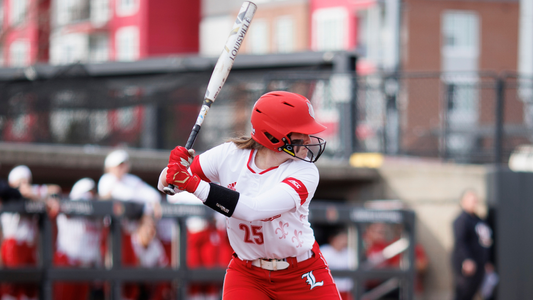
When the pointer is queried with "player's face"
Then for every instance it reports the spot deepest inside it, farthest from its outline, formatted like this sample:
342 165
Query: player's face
306 147
300 139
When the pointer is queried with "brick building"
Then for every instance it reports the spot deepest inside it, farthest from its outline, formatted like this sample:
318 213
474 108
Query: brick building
87 31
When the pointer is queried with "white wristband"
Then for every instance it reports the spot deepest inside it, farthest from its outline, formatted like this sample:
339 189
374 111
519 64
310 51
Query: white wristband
202 191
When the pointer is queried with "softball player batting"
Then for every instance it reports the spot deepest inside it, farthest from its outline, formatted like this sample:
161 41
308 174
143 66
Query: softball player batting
265 185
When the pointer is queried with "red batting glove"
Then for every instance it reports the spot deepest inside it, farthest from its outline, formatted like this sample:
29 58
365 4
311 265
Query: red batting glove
181 155
177 173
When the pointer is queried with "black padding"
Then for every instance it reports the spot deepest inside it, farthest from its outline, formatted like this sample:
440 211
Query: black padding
222 199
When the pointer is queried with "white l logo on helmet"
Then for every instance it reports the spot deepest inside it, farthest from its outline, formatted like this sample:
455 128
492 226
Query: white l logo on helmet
311 111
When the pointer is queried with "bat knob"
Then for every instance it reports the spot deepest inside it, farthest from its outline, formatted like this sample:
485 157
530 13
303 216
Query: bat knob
169 190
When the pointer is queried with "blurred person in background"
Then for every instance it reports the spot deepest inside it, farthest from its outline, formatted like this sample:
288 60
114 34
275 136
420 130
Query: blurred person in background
472 246
118 184
421 262
78 242
148 252
377 237
19 232
340 257
207 246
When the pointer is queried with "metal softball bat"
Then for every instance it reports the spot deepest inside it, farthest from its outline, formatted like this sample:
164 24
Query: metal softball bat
221 71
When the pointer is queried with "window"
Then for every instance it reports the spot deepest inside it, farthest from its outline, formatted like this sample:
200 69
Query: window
1 14
70 48
127 44
98 48
329 26
258 37
362 31
213 34
127 7
460 41
18 11
19 54
100 11
460 52
72 11
285 34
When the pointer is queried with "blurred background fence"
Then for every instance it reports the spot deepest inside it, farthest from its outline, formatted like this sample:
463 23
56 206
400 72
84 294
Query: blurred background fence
461 117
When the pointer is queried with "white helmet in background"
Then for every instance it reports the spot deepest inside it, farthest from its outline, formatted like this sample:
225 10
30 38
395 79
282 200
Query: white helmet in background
116 158
18 173
82 189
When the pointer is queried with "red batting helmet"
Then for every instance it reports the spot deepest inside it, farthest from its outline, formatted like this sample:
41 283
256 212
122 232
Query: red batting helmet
276 114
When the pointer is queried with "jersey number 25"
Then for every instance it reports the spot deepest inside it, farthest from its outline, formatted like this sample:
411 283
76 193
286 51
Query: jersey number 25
252 232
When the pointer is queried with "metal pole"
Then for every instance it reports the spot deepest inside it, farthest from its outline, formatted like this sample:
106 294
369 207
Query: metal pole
46 255
499 114
450 98
116 285
353 115
183 284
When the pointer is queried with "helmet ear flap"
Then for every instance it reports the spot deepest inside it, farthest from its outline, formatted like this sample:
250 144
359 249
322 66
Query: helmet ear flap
272 139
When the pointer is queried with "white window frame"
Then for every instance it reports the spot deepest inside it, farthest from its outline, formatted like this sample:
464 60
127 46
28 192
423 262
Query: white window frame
127 7
285 37
330 29
214 32
2 9
18 11
127 43
463 28
69 48
258 37
100 12
19 53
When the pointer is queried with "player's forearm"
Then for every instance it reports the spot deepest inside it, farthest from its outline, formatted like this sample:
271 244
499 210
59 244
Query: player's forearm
267 205
233 204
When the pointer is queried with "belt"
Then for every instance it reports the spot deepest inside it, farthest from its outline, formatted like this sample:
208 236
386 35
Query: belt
279 264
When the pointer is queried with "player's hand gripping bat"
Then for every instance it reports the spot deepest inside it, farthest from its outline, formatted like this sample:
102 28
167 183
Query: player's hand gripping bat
221 71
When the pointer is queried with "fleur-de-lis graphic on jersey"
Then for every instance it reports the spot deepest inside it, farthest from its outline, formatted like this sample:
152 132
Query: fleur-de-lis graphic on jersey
311 280
296 236
280 228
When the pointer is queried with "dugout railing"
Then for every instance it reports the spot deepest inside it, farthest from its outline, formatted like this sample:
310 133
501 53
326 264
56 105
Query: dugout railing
321 213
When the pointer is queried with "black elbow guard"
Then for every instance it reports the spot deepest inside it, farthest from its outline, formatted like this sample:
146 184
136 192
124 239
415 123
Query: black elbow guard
222 199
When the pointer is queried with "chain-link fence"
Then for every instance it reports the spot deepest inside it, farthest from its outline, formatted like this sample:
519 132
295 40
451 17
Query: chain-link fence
435 115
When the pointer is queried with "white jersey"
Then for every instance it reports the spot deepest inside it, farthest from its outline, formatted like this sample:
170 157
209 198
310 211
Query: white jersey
128 188
22 228
339 260
287 234
79 238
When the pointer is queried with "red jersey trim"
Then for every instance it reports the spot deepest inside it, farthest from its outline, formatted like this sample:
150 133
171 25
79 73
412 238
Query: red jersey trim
299 187
250 161
196 168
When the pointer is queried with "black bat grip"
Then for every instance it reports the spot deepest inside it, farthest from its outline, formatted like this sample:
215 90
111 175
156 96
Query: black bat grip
192 137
